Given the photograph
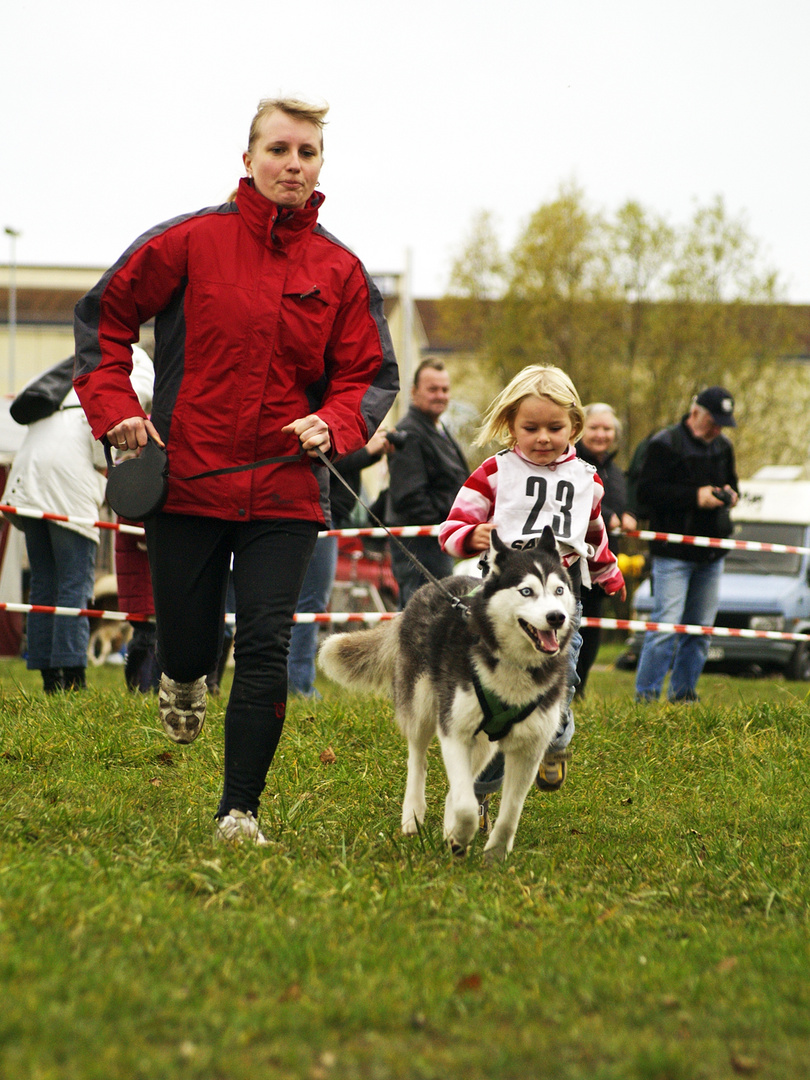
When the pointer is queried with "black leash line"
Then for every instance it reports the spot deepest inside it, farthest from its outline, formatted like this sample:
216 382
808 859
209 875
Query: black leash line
455 601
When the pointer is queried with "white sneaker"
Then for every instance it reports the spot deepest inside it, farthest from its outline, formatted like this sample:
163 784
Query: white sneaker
239 827
182 708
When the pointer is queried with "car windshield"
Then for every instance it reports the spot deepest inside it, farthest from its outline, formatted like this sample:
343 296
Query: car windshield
766 562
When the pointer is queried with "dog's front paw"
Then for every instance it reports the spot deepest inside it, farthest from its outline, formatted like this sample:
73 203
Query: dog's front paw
495 852
413 816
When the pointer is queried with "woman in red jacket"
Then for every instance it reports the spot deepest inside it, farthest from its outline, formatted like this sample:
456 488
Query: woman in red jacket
269 342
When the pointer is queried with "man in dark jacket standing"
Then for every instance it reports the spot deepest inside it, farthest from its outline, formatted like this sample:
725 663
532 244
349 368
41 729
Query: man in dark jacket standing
426 473
689 483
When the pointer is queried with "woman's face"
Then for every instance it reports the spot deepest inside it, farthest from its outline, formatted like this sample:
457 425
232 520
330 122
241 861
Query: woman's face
286 159
599 433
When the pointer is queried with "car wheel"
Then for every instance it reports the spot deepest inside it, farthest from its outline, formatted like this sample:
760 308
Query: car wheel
799 667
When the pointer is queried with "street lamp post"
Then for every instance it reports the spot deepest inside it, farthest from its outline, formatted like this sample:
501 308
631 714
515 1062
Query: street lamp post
12 234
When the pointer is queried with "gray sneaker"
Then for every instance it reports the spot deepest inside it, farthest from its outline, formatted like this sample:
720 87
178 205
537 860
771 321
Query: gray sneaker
240 827
182 708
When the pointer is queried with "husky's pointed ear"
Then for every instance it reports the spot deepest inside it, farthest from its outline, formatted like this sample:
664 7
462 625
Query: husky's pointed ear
496 542
548 541
496 547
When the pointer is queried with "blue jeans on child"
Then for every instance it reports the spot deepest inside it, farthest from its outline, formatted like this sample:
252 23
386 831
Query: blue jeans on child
492 776
63 565
683 592
314 596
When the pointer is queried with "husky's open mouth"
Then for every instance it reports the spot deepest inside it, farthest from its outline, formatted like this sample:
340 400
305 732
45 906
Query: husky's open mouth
543 640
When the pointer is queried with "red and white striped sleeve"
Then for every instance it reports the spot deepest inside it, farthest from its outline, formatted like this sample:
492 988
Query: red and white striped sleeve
473 506
602 565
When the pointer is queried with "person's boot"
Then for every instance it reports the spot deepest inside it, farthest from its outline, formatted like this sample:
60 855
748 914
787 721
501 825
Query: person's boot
52 679
74 678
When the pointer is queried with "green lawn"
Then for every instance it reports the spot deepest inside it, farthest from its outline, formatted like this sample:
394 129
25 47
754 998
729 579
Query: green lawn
652 922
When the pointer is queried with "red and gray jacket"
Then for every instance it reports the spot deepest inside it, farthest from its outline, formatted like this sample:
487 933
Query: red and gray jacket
261 317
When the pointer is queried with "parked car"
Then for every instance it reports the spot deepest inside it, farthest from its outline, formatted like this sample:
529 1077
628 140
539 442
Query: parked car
759 590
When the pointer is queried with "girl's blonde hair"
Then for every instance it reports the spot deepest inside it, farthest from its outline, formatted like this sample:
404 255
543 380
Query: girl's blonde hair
535 381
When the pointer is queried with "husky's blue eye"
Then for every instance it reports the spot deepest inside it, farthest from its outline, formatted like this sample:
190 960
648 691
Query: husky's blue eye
526 592
559 590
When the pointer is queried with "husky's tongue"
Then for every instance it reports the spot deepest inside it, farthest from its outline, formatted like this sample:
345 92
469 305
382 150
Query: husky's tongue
544 640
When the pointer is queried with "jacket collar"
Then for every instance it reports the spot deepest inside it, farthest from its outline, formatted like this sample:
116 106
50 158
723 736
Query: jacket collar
425 420
272 224
569 454
586 455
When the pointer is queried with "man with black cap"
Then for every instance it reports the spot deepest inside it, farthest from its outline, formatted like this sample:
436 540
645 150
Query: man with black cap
689 482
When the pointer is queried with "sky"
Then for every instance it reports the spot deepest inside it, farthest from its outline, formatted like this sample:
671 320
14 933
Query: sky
119 115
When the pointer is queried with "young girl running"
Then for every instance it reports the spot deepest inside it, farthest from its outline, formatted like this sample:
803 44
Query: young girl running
537 481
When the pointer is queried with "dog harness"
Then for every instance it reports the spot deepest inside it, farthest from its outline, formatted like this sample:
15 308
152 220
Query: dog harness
499 718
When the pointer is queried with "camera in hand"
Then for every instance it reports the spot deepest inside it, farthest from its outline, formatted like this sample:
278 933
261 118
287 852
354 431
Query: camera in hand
397 438
724 496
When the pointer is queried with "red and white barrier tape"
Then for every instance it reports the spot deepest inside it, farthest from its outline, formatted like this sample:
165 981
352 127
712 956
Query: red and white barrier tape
44 515
433 530
691 628
137 530
715 542
339 618
92 613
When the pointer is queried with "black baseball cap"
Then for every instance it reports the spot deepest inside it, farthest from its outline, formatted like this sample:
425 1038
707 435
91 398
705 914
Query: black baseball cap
719 402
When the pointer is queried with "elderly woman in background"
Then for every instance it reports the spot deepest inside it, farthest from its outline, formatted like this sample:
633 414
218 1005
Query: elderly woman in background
598 447
270 343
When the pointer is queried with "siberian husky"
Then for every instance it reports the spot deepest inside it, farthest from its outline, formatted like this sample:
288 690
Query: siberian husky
497 661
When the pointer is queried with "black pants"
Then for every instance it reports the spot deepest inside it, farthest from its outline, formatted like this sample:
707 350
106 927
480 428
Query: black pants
189 559
591 635
409 577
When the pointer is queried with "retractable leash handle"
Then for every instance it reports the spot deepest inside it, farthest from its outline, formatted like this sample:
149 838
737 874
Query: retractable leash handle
456 601
137 488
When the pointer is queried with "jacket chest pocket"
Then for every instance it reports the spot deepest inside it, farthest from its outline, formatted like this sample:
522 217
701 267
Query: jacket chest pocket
307 306
307 317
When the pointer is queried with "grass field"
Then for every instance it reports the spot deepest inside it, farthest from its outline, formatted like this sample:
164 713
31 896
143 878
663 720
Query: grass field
652 923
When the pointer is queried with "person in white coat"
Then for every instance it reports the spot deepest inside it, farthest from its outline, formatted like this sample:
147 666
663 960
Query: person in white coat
59 470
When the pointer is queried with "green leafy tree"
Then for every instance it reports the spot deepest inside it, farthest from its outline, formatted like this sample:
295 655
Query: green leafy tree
639 313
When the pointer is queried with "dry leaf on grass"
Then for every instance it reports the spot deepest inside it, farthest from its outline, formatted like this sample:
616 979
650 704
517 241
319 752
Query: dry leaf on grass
328 756
743 1065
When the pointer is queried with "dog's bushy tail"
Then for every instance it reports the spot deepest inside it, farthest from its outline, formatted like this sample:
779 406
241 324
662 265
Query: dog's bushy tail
362 660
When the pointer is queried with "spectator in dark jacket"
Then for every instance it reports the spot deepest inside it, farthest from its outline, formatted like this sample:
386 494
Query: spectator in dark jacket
598 447
426 474
689 482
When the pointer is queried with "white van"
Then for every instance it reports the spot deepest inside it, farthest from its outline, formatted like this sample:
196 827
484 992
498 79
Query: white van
759 590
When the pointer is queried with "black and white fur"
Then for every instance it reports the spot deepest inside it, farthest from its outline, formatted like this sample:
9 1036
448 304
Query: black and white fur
516 637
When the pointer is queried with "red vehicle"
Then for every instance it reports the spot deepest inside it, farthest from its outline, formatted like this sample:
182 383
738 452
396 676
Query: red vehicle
364 580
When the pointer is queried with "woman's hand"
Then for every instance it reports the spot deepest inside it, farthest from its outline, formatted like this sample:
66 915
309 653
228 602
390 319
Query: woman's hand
132 434
313 434
629 522
478 540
